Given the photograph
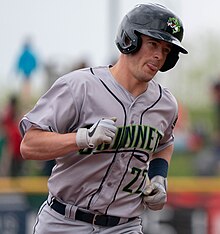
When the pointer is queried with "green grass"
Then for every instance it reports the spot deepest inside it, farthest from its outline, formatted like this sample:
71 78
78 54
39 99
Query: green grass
182 164
202 121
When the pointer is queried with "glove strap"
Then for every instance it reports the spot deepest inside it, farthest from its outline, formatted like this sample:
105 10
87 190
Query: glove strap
82 138
161 180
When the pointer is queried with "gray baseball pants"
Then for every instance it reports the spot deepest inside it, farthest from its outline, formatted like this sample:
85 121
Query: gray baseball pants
48 221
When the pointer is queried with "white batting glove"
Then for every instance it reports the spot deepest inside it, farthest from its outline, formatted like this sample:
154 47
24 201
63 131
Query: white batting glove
103 131
155 195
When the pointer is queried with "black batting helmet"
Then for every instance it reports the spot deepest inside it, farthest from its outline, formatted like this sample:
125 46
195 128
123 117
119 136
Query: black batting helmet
153 20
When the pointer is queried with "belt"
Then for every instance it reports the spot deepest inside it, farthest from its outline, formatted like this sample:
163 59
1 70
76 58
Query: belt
95 219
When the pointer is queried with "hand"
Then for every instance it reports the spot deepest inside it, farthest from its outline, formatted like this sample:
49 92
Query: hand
103 131
155 195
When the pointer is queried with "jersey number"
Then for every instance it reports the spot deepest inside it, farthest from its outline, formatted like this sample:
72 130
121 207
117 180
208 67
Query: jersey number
137 172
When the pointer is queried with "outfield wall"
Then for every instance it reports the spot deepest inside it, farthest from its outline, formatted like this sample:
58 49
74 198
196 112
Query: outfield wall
193 206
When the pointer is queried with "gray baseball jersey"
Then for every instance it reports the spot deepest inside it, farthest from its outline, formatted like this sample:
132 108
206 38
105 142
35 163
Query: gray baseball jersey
110 178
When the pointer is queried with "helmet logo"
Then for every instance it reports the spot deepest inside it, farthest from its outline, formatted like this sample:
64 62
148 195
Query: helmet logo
174 24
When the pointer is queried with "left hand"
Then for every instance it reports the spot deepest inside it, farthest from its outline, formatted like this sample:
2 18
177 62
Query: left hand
155 195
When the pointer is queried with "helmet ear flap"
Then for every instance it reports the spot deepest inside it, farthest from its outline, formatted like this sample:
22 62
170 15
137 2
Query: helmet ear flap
126 45
139 41
171 60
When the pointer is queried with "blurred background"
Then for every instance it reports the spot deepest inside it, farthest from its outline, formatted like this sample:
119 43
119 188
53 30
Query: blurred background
43 39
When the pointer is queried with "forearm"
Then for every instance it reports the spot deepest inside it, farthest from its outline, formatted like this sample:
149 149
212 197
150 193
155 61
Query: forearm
43 145
166 154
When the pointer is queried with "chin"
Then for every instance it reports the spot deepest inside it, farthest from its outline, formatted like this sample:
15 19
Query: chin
150 75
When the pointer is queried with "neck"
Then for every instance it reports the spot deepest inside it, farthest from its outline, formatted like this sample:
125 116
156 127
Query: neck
123 75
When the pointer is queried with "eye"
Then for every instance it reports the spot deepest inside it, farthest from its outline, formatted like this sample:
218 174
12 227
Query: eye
152 43
167 50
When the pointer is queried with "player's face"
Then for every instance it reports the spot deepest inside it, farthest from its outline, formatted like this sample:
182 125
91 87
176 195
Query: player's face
150 58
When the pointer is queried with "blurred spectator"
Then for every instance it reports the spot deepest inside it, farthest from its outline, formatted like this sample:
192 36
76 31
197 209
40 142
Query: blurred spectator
47 167
55 69
27 63
9 122
52 74
81 64
207 162
189 138
216 137
198 138
4 160
182 129
216 99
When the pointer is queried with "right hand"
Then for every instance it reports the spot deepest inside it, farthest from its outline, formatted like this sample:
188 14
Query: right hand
103 131
155 195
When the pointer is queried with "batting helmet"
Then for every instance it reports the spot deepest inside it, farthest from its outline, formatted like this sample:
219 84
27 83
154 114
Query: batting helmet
155 21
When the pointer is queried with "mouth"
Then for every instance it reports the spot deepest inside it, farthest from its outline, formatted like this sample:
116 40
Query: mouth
153 67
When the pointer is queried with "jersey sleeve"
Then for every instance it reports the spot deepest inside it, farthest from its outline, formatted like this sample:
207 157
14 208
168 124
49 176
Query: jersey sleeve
55 111
168 138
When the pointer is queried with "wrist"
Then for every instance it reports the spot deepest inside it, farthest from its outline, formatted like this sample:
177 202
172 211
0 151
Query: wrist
160 180
158 167
82 138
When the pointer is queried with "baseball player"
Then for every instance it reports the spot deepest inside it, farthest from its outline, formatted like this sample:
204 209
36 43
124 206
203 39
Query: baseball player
110 129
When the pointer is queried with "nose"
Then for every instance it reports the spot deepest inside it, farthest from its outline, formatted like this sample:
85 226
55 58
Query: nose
158 54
